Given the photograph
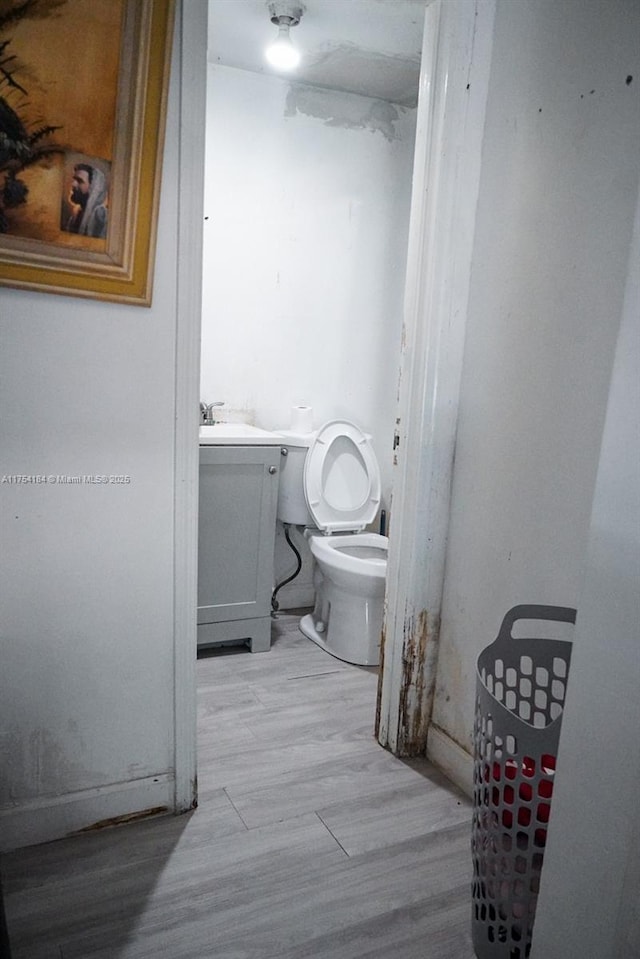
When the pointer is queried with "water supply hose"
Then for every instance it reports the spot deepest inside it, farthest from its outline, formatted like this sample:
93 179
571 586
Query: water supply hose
274 601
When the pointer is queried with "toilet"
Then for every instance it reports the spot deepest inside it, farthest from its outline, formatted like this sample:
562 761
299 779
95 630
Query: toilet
330 483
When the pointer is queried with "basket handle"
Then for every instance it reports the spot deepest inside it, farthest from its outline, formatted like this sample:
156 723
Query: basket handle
557 614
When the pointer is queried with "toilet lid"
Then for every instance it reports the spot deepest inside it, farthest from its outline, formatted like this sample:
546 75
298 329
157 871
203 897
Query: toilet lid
341 478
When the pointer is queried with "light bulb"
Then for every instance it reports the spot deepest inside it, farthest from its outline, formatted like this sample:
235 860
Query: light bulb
282 54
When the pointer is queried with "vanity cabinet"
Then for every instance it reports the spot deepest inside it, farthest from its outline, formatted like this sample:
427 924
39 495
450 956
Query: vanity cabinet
236 539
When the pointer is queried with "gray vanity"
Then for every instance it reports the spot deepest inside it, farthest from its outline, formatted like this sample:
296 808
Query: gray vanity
239 473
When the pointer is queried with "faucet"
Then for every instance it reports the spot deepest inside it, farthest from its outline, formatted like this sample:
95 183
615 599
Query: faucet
206 413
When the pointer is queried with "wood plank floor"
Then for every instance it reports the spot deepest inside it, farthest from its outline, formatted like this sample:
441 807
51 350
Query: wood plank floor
310 840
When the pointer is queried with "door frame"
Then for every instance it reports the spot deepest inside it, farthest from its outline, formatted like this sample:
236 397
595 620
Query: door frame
191 35
454 82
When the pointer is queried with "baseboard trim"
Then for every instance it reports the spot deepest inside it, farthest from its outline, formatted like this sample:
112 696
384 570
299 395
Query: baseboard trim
451 759
44 820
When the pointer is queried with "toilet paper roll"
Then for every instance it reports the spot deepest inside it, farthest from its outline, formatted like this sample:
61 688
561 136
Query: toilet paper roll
301 419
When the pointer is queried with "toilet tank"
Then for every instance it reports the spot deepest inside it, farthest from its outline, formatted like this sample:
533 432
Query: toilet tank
292 505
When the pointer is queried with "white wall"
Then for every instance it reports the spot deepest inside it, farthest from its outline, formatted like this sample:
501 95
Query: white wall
588 906
307 199
554 222
87 700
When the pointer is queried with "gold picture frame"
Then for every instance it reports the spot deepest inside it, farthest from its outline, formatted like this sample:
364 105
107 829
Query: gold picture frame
83 87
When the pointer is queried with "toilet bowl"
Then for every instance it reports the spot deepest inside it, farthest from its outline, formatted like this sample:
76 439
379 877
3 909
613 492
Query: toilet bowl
349 588
341 484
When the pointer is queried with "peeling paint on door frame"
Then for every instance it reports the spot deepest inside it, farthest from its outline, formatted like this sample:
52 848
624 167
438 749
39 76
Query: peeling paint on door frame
416 694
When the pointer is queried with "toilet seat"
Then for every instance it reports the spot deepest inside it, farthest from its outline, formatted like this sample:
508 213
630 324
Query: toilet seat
341 478
363 554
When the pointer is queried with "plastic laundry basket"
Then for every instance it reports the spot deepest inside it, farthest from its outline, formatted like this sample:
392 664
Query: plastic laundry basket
521 686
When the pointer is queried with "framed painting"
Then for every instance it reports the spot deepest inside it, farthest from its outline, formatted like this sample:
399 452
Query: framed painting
83 87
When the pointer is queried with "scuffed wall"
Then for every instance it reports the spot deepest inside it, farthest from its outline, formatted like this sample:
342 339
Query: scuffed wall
87 569
554 222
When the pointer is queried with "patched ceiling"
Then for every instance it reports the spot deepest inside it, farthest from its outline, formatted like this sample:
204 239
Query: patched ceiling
369 47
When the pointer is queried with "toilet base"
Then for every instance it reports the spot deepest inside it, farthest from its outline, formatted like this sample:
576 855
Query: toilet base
308 629
359 650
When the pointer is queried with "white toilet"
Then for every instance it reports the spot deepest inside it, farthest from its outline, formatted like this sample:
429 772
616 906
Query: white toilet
336 471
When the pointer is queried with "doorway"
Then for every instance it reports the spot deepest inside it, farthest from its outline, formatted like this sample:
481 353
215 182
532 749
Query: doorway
452 44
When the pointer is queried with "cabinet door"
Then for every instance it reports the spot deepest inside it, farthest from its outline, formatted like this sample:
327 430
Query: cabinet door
236 531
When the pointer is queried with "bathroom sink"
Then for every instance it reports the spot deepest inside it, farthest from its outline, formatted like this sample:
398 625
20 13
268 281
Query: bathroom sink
237 434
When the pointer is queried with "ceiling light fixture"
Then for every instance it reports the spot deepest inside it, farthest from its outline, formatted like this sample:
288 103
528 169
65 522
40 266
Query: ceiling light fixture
282 54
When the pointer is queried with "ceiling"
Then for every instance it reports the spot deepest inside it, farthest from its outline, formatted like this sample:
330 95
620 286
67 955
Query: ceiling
369 47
